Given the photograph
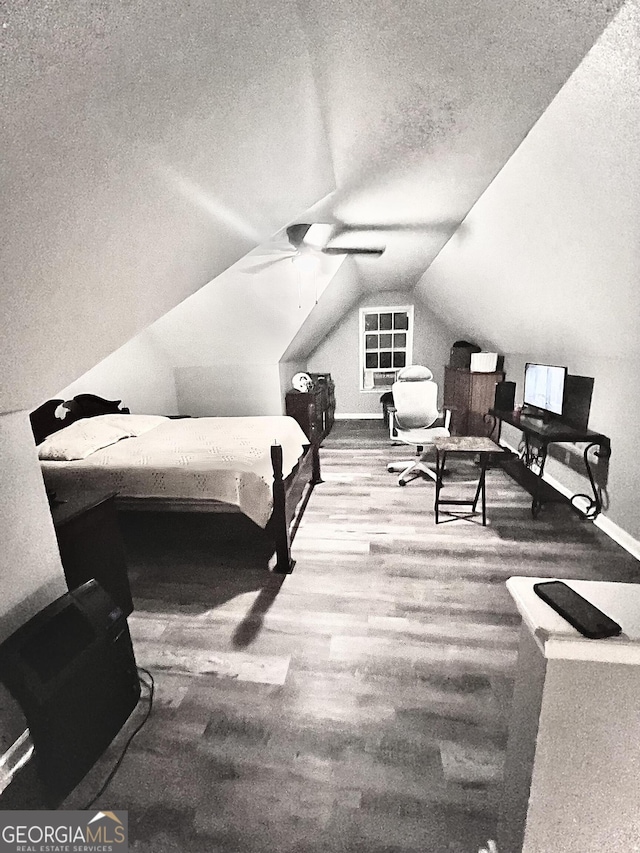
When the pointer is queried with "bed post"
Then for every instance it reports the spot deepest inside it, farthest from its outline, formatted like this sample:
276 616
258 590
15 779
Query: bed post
315 440
284 563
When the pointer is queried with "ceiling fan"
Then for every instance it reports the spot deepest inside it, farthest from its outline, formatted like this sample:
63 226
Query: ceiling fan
332 239
303 239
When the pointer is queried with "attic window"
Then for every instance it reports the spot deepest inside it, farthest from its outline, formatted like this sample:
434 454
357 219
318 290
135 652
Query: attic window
386 345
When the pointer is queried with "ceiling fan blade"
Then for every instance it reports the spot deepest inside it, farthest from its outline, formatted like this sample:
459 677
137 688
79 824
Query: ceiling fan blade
388 227
354 250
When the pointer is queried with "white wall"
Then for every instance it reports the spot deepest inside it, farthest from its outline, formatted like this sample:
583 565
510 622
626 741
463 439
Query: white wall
229 390
547 264
225 343
30 566
338 353
138 373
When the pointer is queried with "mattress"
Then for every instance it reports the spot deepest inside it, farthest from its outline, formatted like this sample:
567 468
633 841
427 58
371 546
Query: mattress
225 460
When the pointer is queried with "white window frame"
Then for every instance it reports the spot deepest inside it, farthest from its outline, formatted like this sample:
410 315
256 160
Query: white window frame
363 371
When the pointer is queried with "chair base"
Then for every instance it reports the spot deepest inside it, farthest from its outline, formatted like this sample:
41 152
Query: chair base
411 469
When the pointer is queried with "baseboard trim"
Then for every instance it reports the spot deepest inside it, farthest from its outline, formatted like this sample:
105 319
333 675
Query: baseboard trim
615 532
358 416
14 758
608 527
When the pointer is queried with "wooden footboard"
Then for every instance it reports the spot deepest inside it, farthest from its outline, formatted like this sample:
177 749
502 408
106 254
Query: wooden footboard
287 497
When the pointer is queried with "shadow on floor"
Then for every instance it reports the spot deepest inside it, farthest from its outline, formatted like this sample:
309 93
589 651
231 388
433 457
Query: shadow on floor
196 562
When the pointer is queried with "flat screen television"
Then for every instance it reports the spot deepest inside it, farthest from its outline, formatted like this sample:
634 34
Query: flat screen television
544 387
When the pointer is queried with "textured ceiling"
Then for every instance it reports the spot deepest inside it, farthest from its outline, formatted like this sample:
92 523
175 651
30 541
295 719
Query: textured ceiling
424 102
148 145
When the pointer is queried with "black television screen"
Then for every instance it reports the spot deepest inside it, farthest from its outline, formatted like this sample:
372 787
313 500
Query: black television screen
544 387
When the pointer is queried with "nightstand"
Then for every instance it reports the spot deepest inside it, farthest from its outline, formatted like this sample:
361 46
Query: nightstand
90 543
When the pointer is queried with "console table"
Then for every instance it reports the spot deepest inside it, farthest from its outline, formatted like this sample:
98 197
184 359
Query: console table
545 433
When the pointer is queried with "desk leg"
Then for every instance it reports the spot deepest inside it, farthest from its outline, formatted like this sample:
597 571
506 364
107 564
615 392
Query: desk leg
594 504
541 458
485 459
440 462
481 489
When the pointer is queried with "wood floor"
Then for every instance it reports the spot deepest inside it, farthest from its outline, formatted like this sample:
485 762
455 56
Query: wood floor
358 705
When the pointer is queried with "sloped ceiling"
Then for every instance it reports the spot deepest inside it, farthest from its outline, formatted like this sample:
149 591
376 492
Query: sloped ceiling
547 263
147 145
424 102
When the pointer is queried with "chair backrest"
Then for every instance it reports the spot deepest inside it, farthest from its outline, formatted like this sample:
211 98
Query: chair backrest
415 402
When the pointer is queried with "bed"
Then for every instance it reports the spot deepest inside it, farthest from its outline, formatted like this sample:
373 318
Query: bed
259 466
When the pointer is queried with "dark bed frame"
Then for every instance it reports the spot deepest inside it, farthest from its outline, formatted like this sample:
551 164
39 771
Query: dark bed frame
287 492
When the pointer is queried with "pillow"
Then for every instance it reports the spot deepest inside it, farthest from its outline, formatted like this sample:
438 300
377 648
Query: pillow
80 439
414 373
133 424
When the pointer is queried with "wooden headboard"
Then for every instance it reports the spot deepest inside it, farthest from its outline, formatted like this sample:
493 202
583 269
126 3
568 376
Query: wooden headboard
48 418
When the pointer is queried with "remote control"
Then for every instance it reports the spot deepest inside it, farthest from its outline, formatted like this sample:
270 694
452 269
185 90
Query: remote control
584 616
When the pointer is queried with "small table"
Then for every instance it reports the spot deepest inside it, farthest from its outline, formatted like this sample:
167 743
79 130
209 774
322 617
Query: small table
470 444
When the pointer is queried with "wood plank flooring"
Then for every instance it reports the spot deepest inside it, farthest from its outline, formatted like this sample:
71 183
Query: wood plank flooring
359 704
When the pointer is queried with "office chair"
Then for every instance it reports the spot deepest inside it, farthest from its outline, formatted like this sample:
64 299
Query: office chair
415 398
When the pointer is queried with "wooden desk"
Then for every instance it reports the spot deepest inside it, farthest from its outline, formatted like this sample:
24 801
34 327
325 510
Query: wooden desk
545 433
475 445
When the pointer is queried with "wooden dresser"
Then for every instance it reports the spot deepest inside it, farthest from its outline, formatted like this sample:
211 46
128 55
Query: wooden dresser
314 408
90 543
470 396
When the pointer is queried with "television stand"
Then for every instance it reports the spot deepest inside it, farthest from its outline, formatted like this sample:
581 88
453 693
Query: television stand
545 433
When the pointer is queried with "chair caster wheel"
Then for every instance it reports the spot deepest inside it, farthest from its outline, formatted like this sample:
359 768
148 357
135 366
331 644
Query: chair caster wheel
389 469
402 483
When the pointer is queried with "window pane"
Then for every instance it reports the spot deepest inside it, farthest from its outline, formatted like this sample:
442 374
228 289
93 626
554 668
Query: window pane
371 359
385 359
399 359
400 340
400 320
371 342
370 322
385 341
385 321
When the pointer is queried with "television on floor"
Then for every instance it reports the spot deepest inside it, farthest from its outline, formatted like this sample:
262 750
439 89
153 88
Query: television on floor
544 388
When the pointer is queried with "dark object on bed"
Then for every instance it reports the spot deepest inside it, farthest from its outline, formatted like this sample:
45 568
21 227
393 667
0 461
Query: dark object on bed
45 422
287 492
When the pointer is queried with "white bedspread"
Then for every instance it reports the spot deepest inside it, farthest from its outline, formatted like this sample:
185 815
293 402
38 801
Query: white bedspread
221 459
